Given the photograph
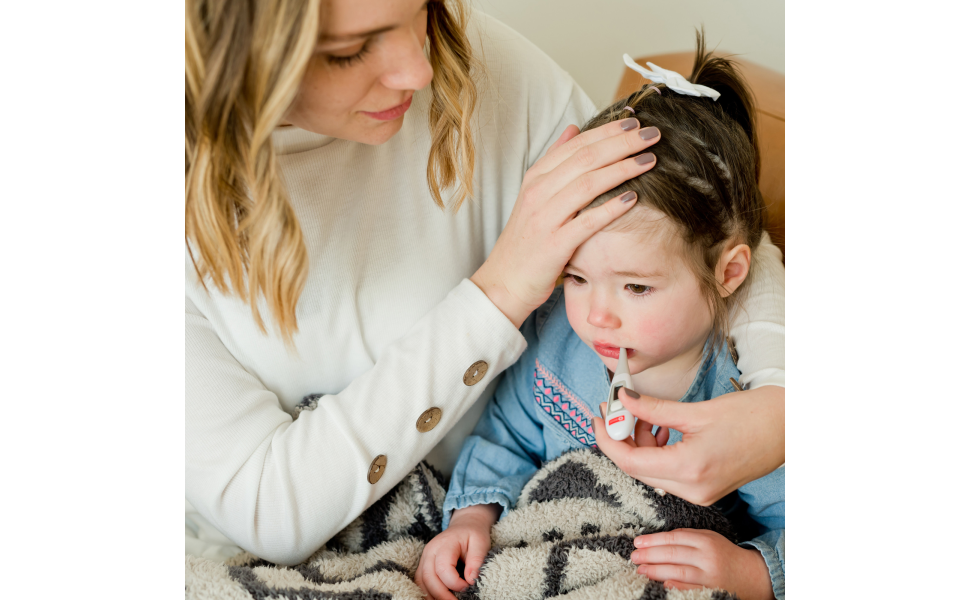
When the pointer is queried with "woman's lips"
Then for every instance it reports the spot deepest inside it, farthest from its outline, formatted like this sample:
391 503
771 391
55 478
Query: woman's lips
612 351
392 113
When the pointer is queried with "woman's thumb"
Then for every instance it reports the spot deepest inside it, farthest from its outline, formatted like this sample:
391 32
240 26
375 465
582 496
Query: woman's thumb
478 547
666 413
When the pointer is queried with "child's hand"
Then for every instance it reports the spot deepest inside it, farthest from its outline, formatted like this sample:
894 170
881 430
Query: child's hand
468 537
691 558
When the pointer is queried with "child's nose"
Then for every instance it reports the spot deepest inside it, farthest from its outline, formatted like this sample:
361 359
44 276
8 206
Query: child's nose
603 317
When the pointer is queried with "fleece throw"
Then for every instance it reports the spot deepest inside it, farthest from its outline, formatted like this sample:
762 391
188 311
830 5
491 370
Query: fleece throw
569 536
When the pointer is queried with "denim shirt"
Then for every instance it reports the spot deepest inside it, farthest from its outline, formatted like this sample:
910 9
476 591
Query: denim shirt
544 405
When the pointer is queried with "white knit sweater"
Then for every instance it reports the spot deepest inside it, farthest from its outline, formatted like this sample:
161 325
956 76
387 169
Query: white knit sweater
388 321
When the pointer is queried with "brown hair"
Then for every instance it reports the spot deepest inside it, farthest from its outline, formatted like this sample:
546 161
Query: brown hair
706 177
244 62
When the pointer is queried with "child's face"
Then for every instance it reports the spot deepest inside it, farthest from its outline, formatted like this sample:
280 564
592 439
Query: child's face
629 289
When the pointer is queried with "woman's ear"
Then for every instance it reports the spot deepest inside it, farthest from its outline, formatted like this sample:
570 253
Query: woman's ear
733 268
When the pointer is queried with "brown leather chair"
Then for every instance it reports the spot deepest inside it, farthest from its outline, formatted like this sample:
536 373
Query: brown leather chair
769 95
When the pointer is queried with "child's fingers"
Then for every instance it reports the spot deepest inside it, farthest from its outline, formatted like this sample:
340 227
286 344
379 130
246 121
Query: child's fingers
478 547
668 555
433 586
680 585
678 537
445 568
679 573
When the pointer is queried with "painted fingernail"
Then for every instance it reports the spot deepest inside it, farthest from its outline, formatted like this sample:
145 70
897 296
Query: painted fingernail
629 124
643 159
631 393
649 133
628 196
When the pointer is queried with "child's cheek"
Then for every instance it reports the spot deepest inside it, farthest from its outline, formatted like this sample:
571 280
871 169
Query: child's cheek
576 312
655 335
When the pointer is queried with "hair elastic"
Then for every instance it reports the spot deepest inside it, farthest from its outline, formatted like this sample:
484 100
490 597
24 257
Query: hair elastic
653 87
630 109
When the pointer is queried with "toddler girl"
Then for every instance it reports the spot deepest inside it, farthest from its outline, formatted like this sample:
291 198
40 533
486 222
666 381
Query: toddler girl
662 282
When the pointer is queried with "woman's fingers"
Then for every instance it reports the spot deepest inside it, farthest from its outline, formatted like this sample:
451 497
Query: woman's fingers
662 412
681 573
643 435
556 156
658 467
663 436
588 186
596 169
569 133
585 225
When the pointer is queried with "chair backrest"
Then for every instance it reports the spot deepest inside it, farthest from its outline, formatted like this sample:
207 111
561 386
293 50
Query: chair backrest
769 95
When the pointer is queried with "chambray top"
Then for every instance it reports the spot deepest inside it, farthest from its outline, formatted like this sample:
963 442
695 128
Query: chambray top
544 406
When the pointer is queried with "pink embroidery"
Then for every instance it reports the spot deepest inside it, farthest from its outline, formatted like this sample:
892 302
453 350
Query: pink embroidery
555 398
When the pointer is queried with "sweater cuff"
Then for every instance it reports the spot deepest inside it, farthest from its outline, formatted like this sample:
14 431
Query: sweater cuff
499 329
487 496
776 567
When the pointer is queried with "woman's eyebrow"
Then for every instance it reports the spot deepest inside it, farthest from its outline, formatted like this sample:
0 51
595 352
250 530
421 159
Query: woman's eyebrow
324 37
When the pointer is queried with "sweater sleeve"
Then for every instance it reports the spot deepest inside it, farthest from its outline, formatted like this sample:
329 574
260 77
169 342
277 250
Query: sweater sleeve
758 327
506 447
279 486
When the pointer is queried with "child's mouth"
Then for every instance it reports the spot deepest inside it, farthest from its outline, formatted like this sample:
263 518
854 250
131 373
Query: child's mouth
611 351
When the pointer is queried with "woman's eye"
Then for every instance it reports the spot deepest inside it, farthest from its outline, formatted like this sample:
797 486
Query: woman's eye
575 278
346 61
638 289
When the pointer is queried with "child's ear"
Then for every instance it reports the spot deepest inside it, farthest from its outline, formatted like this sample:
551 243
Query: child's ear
733 268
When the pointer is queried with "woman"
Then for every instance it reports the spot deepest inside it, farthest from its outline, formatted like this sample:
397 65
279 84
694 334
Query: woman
320 275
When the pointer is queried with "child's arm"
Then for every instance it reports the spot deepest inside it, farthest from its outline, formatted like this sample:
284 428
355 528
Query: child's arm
506 447
496 461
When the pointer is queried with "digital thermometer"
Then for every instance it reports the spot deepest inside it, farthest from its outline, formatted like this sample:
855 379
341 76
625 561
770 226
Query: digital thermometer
619 421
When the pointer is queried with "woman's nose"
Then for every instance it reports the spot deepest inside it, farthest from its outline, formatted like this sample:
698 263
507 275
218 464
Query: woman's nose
410 69
601 316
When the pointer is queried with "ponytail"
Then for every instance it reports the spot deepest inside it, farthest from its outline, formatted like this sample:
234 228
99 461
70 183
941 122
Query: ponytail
721 75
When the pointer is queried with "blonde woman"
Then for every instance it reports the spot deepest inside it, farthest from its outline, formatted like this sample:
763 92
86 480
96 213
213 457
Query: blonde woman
377 195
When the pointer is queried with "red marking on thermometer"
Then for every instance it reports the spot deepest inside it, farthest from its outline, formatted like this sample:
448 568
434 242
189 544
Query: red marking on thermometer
619 421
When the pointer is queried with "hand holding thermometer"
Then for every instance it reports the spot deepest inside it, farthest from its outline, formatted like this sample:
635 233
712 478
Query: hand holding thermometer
619 421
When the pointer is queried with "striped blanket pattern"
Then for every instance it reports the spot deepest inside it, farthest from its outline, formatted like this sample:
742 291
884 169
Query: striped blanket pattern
570 537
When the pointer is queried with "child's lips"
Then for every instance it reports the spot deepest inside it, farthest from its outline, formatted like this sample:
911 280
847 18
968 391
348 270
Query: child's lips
611 351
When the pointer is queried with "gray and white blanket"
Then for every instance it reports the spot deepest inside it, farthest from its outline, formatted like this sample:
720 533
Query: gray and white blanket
570 536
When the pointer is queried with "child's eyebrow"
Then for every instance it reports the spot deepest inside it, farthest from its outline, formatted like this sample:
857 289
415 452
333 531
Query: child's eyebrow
647 275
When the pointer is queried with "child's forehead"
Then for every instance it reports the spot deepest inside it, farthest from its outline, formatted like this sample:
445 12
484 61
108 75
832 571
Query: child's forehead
646 243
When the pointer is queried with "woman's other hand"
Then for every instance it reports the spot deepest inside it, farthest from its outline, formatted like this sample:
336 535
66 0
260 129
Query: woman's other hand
543 230
468 537
692 558
727 442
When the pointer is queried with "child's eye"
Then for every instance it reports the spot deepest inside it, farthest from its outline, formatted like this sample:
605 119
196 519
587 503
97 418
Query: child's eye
638 289
575 278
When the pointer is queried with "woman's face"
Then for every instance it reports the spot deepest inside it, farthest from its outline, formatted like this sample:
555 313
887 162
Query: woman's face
368 62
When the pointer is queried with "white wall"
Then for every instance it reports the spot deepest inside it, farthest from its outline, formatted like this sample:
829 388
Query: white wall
588 38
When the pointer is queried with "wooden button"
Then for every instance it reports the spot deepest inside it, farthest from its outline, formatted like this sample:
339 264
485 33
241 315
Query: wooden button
377 469
732 350
428 419
475 372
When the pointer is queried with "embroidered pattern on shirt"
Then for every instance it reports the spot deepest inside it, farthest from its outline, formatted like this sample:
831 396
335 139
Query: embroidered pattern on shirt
564 407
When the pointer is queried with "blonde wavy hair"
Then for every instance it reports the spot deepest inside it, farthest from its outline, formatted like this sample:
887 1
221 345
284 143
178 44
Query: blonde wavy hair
244 62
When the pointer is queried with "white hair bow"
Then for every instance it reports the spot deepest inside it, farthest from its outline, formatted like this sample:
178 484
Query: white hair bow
674 80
